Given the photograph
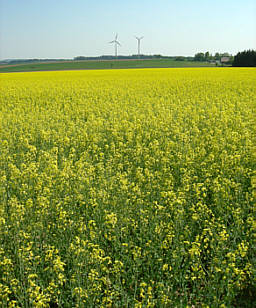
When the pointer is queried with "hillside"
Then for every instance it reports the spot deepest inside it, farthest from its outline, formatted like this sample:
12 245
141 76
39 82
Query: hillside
103 64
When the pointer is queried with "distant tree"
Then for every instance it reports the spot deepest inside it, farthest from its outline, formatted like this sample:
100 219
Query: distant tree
245 58
157 56
180 58
217 56
207 55
225 54
199 56
79 58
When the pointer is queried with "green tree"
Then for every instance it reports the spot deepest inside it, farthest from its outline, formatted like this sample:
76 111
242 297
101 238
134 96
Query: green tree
207 56
217 56
199 56
245 58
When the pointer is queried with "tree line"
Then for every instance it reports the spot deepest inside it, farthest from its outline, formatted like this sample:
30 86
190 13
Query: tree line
245 58
207 56
134 57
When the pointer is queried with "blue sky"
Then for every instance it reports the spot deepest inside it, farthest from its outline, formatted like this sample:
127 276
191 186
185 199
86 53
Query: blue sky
66 28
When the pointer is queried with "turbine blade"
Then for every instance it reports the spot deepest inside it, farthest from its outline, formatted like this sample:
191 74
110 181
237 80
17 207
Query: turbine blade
116 37
118 43
111 42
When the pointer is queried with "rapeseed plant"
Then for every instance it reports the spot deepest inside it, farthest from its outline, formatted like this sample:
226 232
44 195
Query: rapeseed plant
128 188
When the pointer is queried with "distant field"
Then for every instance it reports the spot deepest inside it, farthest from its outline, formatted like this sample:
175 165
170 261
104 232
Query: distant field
114 64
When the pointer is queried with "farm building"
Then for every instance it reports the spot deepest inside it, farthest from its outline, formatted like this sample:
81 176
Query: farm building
224 59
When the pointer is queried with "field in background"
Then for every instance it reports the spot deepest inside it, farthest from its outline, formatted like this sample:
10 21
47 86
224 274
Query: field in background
128 188
115 64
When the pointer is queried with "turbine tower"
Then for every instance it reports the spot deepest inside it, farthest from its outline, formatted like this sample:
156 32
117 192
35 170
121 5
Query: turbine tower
139 39
115 41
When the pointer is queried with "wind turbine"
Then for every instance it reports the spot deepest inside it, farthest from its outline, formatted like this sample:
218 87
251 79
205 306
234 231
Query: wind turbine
139 39
115 41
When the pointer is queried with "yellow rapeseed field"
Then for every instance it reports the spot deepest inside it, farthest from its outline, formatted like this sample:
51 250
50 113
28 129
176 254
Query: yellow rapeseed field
128 188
